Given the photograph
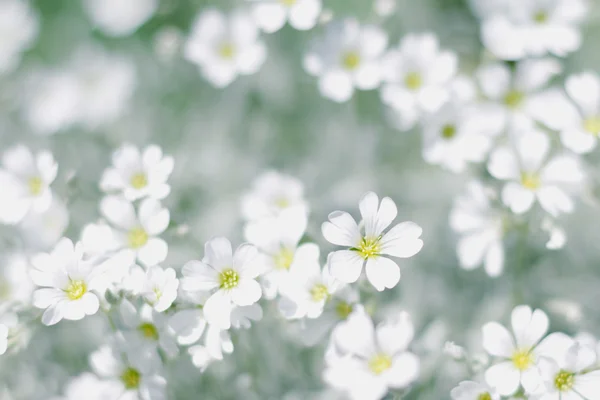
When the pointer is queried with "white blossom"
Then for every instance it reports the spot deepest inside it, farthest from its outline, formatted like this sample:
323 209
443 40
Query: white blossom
271 15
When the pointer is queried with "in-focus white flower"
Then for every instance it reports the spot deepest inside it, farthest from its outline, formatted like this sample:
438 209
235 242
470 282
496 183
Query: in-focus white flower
118 18
19 26
523 28
224 47
416 77
25 180
68 282
347 57
138 174
469 390
160 288
532 175
277 239
3 338
519 354
481 229
271 193
231 279
271 15
372 360
367 244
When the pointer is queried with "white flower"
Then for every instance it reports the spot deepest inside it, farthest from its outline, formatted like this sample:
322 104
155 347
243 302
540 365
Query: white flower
368 244
271 15
373 360
88 386
43 230
580 133
25 180
231 279
68 283
519 355
19 25
348 56
224 47
118 18
278 239
271 193
468 390
532 175
3 338
216 342
16 286
534 28
481 230
416 77
160 287
138 174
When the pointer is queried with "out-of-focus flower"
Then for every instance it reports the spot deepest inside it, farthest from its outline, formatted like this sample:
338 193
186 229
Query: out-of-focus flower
19 26
43 230
87 386
557 236
347 57
532 175
3 338
271 15
373 246
25 180
215 344
118 18
416 77
160 288
481 230
224 47
15 284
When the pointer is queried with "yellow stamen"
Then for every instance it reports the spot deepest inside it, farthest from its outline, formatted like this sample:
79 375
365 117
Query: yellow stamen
530 180
131 378
564 381
139 181
592 125
540 17
76 289
514 98
413 81
226 50
484 396
228 279
36 185
448 131
137 237
319 292
351 60
288 3
148 331
369 247
522 359
343 309
282 202
380 363
284 259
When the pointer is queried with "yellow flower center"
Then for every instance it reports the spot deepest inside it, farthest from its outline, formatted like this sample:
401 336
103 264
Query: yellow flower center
343 309
131 378
282 202
413 81
148 331
530 180
76 289
484 396
226 50
592 125
137 237
228 279
514 98
522 359
540 17
351 60
448 131
380 363
319 292
158 293
564 381
284 259
139 181
36 185
288 3
368 247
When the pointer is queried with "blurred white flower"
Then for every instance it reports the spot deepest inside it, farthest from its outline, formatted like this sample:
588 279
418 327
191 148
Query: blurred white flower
42 230
160 288
119 18
19 26
87 386
372 360
231 278
385 8
519 356
224 47
15 284
372 246
468 390
416 77
271 15
3 338
25 179
481 229
348 56
557 236
216 342
138 174
273 192
532 175
525 28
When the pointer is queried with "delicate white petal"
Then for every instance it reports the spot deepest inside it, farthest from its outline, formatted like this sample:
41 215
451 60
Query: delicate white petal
403 240
382 273
345 265
497 340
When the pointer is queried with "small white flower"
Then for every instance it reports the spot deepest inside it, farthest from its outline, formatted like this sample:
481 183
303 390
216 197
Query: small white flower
43 230
481 230
271 15
231 279
19 25
160 288
224 47
272 193
3 338
117 18
532 175
416 77
468 390
138 174
347 57
373 360
368 244
25 180
519 355
68 283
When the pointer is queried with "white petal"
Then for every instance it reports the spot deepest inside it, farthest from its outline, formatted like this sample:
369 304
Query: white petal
153 216
554 200
518 198
270 17
154 252
217 310
584 89
504 377
336 85
377 217
345 265
497 340
588 385
218 253
382 273
533 148
578 140
356 335
395 335
503 164
251 58
304 14
494 80
118 212
198 276
402 240
562 169
245 261
341 229
529 327
494 259
53 314
246 293
405 370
